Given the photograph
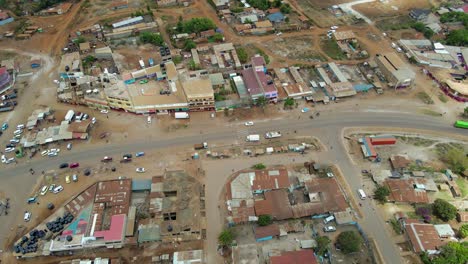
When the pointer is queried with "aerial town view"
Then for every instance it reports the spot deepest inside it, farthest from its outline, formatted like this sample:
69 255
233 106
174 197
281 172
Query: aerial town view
234 131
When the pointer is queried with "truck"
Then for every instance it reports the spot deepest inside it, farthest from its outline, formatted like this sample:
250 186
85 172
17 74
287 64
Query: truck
5 107
69 116
272 134
181 115
203 145
253 138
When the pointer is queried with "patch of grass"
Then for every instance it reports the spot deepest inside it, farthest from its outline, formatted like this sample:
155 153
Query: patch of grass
443 148
395 23
442 98
430 112
412 215
416 141
331 48
463 185
425 98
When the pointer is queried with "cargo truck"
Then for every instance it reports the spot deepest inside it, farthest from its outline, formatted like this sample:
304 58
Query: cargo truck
9 96
253 138
203 145
69 116
181 115
8 106
272 134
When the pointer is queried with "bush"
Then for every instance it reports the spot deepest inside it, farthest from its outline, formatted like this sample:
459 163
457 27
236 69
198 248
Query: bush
264 220
189 45
322 245
195 25
349 241
242 54
288 103
444 210
151 38
259 166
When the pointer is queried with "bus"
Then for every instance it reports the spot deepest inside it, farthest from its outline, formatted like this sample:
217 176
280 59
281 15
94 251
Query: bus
461 124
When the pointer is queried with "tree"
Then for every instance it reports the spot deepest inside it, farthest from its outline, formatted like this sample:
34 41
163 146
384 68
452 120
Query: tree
322 245
261 101
444 210
264 220
177 59
195 25
243 56
452 253
189 45
349 241
457 37
151 38
259 166
192 65
79 40
464 231
288 103
226 237
381 193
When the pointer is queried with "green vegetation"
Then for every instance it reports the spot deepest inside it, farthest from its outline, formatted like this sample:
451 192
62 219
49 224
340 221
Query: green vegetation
465 112
193 66
194 25
423 96
189 45
322 245
43 4
79 40
219 97
264 220
462 184
455 17
456 160
88 61
331 48
143 13
236 9
226 237
217 37
259 166
261 101
288 103
452 253
420 27
242 54
444 210
151 38
381 193
177 59
396 226
349 241
265 4
464 230
456 37
264 55
442 98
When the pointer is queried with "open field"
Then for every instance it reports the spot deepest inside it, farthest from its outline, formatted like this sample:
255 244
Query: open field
317 11
297 48
377 10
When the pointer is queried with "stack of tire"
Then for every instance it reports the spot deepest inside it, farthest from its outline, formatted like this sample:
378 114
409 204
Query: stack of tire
29 244
59 223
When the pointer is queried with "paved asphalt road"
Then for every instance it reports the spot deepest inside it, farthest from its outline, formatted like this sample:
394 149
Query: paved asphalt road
330 123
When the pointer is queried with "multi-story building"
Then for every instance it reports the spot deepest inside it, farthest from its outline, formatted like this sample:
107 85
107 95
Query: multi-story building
199 93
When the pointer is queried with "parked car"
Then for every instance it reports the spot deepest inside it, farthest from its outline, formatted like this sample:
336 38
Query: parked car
127 156
139 154
104 111
87 172
44 190
4 159
141 170
93 120
10 145
27 216
4 126
125 160
249 123
329 229
74 165
14 140
69 146
63 165
106 159
8 150
74 178
67 179
52 154
44 153
58 189
50 206
32 200
51 187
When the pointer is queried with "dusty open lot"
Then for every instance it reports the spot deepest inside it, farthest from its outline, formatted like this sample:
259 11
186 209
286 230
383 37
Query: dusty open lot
377 10
298 48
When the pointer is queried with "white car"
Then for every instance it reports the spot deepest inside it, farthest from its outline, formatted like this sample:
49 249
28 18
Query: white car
44 190
44 153
4 159
14 141
93 120
333 27
10 160
8 150
69 146
250 123
27 216
55 150
52 154
141 170
58 189
104 111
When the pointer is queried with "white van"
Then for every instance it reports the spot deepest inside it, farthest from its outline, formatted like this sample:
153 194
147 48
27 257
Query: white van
18 132
328 219
149 120
19 127
362 194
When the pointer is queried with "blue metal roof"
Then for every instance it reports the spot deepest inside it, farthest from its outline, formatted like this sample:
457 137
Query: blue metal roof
276 17
141 185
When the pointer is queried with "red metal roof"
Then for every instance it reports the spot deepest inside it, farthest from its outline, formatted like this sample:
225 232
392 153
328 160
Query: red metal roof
423 237
258 61
270 179
403 191
251 82
276 204
116 229
295 257
3 70
266 231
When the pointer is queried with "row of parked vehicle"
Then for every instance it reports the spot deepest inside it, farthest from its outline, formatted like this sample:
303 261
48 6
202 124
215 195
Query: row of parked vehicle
17 134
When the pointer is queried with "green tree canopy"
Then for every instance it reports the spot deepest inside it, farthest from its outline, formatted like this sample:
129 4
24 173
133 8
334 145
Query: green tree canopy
288 103
322 244
264 220
259 166
464 230
444 210
189 45
151 38
260 4
218 37
349 241
381 193
261 101
195 25
457 37
452 253
456 160
226 237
